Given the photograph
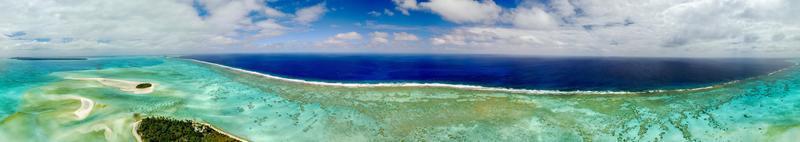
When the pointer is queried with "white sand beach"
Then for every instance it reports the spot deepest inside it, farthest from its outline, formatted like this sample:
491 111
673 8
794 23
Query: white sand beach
224 133
136 135
86 107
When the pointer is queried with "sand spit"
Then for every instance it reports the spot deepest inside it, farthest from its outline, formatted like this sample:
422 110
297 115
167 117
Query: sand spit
86 107
124 85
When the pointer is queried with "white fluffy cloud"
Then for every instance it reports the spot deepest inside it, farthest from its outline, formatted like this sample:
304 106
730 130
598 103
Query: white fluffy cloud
144 25
404 5
465 11
310 14
640 28
348 36
379 38
383 37
343 39
533 18
272 12
403 36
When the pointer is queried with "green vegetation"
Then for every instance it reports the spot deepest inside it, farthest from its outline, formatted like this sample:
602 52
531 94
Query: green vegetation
162 129
144 85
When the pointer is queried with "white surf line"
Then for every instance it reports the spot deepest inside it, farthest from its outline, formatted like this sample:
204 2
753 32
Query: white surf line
468 87
731 82
784 69
124 85
475 87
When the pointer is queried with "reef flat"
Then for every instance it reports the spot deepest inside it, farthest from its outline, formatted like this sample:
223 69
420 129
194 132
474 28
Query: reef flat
259 108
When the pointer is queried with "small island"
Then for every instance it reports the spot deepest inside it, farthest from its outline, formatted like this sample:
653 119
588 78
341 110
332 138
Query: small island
144 85
162 129
47 58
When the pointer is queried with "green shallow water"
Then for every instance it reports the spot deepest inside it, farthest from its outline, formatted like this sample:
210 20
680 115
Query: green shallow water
764 108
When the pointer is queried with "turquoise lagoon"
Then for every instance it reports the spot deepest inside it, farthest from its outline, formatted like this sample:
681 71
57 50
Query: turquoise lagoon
37 102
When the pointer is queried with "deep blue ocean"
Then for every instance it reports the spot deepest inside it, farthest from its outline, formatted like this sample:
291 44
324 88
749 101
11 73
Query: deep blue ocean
521 72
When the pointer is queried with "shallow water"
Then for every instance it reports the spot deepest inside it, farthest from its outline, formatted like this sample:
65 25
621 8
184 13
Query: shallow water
256 108
16 76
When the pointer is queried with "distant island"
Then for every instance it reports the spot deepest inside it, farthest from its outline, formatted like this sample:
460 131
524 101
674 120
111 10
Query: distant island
48 58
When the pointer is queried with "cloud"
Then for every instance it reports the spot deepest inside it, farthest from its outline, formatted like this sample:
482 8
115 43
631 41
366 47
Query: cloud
403 36
377 26
563 7
348 36
379 38
641 28
343 39
269 28
388 12
405 5
588 27
272 12
533 18
465 11
489 37
374 13
144 25
375 39
310 14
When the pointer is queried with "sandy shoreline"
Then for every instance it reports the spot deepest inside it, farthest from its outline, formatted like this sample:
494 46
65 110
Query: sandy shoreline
123 85
223 132
136 135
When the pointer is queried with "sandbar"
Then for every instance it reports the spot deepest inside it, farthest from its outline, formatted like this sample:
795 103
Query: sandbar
123 85
86 107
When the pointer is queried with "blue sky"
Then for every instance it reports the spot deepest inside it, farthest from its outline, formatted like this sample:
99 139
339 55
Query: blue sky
673 28
349 15
354 15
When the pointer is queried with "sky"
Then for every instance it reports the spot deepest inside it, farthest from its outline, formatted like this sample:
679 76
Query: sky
649 28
